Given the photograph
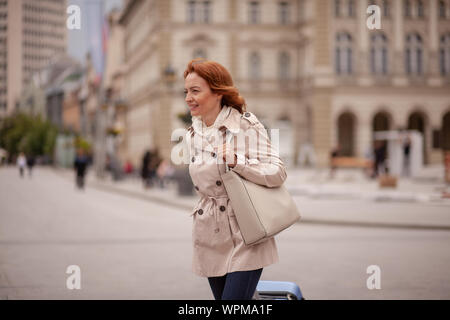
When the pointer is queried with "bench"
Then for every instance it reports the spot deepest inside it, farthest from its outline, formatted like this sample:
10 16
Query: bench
351 162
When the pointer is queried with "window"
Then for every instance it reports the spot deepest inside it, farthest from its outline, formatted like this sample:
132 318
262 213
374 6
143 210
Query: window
414 54
436 139
442 9
386 9
191 12
407 8
255 66
343 58
284 66
379 54
254 13
284 12
199 11
444 55
351 8
337 8
199 53
206 11
420 9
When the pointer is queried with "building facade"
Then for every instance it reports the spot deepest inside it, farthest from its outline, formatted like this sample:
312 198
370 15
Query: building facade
31 33
391 78
311 68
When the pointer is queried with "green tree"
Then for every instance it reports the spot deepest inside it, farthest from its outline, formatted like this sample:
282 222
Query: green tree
29 134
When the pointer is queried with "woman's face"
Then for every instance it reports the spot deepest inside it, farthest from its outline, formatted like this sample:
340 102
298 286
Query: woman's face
199 97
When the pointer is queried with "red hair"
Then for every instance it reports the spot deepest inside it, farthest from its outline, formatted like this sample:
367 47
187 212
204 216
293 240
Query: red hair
219 80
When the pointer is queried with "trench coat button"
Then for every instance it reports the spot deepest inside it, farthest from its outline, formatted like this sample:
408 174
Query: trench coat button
222 208
196 188
218 182
217 230
193 159
247 114
200 211
213 154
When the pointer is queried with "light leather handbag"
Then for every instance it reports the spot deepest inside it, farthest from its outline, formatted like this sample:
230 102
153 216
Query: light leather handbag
261 212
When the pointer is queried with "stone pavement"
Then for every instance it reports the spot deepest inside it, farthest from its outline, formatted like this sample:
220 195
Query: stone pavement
349 198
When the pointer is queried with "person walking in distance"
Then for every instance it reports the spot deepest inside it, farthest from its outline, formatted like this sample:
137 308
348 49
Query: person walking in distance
30 164
232 268
80 165
21 163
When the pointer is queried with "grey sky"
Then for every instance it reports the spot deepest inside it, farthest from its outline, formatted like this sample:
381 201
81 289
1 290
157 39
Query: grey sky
77 45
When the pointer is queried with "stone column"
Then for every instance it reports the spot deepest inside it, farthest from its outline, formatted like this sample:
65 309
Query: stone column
163 125
364 132
323 80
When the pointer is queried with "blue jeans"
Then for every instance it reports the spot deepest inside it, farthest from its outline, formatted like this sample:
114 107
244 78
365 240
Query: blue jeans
239 285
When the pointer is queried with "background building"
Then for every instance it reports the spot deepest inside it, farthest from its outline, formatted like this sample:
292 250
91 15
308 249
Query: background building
370 80
31 32
311 68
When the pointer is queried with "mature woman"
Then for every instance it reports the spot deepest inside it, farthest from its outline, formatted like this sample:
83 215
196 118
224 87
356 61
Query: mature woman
219 113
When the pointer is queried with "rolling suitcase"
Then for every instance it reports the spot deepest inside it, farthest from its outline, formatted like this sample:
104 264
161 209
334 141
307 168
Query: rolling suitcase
278 290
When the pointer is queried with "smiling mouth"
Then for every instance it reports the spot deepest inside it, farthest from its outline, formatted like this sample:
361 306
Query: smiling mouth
193 107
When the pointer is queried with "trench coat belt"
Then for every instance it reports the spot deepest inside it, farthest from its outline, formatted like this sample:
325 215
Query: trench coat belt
215 208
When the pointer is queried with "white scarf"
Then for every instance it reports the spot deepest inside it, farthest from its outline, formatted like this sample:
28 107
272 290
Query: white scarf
203 130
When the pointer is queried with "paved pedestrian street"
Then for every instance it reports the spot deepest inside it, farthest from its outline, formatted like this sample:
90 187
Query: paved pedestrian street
129 248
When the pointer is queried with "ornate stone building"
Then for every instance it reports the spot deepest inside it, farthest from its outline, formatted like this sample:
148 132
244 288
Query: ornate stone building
311 68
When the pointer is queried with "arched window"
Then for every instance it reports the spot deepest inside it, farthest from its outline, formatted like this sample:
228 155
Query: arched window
284 66
379 54
346 134
254 66
414 54
343 58
444 54
381 121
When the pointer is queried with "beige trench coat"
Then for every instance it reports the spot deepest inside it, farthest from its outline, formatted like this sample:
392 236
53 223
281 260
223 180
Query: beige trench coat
218 246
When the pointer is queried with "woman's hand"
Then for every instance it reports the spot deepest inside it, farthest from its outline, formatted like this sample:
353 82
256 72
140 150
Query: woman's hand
227 154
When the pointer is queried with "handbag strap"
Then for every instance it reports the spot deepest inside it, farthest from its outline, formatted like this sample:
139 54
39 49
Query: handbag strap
225 139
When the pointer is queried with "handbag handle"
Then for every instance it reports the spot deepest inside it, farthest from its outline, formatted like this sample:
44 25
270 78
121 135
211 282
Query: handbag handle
231 138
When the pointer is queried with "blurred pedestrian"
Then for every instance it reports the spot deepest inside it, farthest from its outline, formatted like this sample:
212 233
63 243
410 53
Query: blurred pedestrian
407 155
30 164
380 158
145 168
128 167
21 163
80 165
